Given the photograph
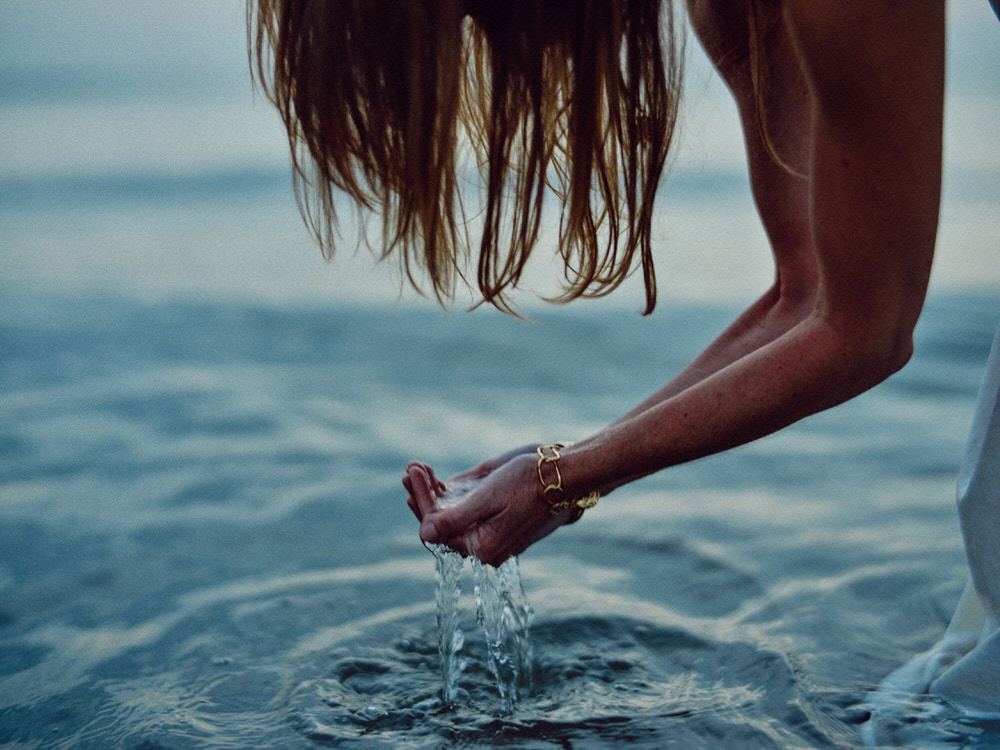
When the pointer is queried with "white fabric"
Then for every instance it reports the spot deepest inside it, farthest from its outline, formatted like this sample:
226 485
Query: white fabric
979 489
964 667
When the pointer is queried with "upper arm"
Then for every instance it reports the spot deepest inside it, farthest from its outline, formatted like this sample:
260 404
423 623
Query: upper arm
875 70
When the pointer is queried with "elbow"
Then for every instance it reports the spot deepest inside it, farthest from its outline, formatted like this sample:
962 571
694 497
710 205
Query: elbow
870 355
870 336
890 340
892 356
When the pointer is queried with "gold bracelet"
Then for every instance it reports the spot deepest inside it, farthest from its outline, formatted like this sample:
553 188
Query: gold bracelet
549 455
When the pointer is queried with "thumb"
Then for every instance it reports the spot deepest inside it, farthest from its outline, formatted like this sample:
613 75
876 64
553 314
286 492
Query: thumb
455 521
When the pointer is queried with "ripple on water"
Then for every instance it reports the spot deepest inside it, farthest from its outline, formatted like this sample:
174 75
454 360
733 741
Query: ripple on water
604 678
350 656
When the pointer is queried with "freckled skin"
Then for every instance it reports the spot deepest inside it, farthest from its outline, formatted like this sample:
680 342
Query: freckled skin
847 185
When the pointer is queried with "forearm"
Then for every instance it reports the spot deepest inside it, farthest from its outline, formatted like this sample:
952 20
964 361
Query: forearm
769 318
809 368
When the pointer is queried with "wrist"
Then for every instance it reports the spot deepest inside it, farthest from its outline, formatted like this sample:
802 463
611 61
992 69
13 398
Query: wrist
556 490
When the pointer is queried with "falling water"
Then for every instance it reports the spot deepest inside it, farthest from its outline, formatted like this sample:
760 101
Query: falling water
504 615
502 611
450 636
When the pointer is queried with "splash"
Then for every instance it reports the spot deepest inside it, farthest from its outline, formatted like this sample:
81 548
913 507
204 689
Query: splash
502 612
450 636
504 615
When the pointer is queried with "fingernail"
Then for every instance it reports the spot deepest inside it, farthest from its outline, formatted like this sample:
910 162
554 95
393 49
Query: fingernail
429 533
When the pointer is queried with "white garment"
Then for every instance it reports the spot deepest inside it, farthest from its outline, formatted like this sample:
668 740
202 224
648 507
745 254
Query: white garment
964 667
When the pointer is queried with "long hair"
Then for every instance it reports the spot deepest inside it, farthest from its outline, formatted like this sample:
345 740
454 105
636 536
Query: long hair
567 100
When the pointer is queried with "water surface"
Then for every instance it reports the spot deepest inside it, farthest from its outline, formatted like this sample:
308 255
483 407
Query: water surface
203 539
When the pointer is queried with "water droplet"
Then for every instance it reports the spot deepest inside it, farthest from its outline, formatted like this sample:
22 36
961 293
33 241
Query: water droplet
373 712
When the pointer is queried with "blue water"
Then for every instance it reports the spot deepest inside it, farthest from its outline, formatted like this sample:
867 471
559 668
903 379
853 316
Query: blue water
203 542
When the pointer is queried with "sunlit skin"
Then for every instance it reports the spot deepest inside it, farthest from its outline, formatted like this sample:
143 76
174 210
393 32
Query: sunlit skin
853 95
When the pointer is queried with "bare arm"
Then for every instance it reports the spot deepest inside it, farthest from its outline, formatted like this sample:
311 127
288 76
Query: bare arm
780 187
873 190
853 246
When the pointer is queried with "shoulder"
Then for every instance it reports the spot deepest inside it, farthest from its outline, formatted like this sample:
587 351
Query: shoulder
725 27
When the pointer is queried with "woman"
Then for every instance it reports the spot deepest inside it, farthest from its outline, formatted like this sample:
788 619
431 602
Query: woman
845 166
841 105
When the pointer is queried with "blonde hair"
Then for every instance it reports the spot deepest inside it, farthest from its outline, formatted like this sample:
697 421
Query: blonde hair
575 100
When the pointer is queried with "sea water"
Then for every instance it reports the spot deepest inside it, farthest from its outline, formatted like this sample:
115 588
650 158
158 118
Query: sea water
504 617
204 540
502 611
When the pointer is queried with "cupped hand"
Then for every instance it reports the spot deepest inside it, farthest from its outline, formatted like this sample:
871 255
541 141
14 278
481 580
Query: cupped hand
502 514
492 464
461 479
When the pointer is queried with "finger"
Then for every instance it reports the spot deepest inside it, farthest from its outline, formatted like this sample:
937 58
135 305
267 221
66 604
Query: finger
423 491
456 544
414 508
476 472
417 465
439 487
443 524
410 501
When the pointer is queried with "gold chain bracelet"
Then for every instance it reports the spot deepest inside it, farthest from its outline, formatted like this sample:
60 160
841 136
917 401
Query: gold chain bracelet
548 455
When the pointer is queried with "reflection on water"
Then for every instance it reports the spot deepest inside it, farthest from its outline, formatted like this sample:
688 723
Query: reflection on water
203 539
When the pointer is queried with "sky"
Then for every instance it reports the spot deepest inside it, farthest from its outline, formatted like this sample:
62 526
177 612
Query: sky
136 87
